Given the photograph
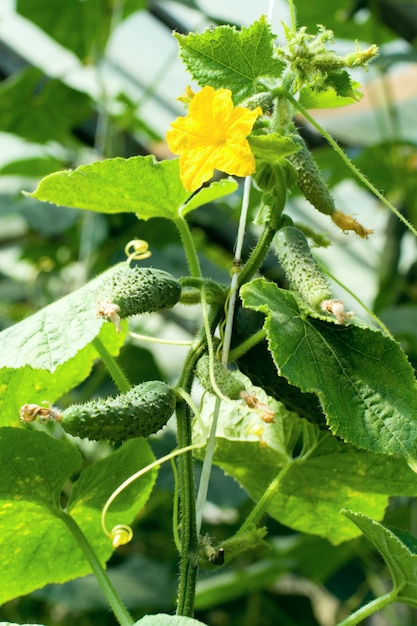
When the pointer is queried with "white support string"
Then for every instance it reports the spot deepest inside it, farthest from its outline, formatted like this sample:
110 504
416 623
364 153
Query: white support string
270 12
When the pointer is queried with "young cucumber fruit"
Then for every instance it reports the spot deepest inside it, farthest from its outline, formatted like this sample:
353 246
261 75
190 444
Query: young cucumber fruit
139 290
227 383
300 266
143 410
310 180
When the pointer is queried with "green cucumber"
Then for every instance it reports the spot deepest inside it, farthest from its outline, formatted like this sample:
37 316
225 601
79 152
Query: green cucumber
227 383
143 410
310 180
133 290
300 266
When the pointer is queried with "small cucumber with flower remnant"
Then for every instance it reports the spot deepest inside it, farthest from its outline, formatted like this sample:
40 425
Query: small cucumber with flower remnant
228 384
143 410
305 275
311 183
133 290
300 266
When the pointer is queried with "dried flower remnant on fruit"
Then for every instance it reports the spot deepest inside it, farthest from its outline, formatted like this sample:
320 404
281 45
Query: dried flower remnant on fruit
109 311
337 308
253 402
31 412
347 222
212 136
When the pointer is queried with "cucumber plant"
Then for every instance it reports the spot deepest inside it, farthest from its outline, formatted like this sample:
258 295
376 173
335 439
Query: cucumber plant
311 409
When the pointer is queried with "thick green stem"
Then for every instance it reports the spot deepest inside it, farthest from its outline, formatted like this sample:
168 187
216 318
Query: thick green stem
369 609
112 366
189 534
351 165
189 247
106 585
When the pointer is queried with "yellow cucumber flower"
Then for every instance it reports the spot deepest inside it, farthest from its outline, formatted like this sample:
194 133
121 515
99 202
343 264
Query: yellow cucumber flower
212 136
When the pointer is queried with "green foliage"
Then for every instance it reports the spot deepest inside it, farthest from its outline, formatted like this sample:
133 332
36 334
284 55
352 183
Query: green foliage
31 107
236 60
307 447
319 472
36 542
363 379
82 27
96 187
398 549
39 362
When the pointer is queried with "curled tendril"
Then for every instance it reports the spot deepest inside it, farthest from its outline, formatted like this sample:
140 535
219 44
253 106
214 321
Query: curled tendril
121 535
137 250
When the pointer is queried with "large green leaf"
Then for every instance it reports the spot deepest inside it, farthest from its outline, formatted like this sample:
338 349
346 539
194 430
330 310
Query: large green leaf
319 472
50 352
236 60
36 545
399 550
140 185
363 379
32 105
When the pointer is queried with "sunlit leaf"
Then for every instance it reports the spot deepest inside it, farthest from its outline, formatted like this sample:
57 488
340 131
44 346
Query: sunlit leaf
36 544
362 378
398 549
236 60
50 352
320 472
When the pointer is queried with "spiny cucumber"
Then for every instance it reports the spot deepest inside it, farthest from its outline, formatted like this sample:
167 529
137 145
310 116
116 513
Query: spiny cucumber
300 266
227 383
310 180
133 290
315 190
143 410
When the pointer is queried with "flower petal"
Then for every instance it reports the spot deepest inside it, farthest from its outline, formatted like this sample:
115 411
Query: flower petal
212 136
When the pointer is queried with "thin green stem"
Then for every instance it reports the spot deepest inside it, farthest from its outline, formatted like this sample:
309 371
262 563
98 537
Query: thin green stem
189 247
261 506
112 366
351 165
105 583
369 609
227 336
175 508
246 345
208 457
